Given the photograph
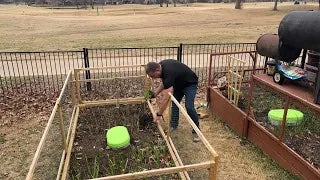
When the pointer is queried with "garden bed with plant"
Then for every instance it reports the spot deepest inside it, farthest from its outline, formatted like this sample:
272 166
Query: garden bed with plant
92 158
303 138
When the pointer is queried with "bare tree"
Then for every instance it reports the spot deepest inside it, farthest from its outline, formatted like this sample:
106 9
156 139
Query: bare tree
238 4
161 3
91 2
275 8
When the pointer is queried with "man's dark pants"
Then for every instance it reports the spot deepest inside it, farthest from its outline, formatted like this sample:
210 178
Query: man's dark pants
190 93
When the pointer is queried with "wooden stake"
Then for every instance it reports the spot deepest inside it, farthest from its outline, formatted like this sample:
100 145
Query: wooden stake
197 130
178 157
76 74
64 151
158 172
172 150
70 144
64 143
169 119
235 77
173 153
40 146
46 131
212 175
203 139
109 67
73 97
101 79
112 101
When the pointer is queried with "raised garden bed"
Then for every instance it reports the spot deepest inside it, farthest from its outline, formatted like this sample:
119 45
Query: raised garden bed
151 153
91 158
298 150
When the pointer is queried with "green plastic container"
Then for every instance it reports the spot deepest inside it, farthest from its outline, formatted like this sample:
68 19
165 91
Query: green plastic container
294 117
118 137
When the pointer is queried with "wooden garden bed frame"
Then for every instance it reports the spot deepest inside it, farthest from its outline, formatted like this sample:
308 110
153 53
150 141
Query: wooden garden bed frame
78 103
247 127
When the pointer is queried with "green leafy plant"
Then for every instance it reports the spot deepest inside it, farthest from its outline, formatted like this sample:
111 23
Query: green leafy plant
140 154
157 154
77 175
112 165
93 170
148 94
96 167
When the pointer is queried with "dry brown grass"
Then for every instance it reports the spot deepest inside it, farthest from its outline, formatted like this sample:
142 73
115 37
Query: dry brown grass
24 28
31 29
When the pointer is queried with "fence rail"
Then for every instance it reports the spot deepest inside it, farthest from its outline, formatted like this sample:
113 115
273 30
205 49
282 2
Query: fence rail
46 71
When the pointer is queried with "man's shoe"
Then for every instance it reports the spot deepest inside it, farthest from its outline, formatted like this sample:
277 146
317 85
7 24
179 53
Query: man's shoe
195 137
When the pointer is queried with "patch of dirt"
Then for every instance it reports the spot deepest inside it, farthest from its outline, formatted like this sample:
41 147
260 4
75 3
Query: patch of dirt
91 156
116 88
307 146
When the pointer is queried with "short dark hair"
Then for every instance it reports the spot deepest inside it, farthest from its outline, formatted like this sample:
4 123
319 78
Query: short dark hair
152 67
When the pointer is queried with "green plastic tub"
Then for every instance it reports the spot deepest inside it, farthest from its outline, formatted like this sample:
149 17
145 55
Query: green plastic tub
294 117
118 137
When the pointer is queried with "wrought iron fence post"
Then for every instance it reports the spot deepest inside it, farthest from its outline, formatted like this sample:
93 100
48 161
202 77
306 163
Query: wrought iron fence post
179 55
87 65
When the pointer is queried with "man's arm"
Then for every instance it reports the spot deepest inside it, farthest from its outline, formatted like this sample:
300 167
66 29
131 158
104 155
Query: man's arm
158 90
165 100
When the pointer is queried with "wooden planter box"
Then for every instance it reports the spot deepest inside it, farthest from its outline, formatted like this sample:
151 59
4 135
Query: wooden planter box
256 133
68 137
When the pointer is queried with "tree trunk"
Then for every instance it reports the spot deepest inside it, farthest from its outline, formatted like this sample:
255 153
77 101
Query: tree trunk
167 3
238 4
175 3
275 8
91 2
161 3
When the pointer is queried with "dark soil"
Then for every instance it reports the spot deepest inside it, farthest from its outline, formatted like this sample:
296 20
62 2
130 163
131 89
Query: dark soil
114 88
91 158
304 139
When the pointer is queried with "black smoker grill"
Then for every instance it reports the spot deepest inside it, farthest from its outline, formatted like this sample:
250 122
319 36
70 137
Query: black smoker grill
298 30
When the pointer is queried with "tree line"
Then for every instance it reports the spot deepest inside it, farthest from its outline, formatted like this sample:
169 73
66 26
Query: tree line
84 4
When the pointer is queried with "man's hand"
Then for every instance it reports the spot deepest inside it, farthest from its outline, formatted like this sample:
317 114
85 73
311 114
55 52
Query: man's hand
156 118
152 95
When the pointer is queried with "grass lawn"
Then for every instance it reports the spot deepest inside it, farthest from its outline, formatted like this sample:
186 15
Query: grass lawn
24 28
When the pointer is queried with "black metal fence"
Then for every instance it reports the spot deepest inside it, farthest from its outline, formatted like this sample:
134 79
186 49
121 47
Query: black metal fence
45 71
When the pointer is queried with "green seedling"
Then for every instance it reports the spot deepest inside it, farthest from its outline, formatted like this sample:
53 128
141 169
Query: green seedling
122 163
134 153
149 154
157 156
93 172
96 167
140 154
148 94
112 165
78 172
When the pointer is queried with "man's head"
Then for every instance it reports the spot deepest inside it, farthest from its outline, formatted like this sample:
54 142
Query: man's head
153 70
